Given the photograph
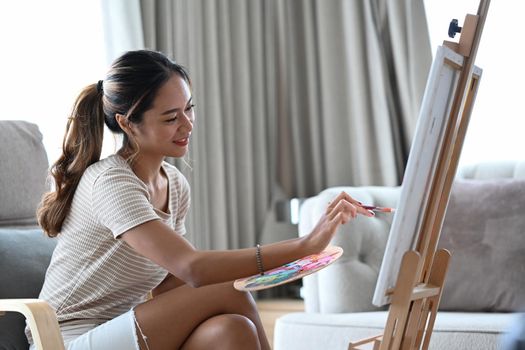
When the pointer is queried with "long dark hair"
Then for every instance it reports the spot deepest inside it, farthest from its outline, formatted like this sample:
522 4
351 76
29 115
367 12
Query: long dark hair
129 90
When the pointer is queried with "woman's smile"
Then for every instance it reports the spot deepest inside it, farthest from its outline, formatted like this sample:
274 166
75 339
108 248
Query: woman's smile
182 142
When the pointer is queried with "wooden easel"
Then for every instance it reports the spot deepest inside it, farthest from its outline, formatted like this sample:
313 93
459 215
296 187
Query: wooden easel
416 295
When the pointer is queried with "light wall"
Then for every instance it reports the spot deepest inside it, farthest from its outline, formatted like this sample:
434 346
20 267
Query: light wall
496 129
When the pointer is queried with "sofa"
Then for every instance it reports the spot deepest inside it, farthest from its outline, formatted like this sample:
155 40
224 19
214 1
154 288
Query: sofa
484 293
25 251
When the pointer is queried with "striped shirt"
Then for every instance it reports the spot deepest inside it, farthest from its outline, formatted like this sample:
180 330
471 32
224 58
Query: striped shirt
93 275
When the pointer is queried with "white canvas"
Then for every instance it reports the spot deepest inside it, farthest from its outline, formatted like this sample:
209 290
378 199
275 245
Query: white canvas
422 161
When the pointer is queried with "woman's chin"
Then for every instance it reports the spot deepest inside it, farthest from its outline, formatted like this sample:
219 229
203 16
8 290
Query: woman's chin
179 153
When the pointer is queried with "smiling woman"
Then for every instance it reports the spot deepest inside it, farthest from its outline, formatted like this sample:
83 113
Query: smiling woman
55 48
120 221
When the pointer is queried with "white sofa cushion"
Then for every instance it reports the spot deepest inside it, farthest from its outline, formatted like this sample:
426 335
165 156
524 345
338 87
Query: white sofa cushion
452 330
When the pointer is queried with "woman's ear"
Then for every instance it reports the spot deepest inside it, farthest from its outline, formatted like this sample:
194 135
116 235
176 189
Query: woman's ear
124 123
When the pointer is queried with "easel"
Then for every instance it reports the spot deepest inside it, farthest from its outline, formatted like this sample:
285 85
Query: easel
417 293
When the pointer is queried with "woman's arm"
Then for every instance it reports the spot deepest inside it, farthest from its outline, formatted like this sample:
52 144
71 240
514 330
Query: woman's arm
162 245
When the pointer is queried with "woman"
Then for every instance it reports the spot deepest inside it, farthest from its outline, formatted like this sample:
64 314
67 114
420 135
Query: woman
120 226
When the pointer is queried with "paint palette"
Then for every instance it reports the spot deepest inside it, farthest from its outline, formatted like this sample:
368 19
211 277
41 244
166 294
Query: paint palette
290 272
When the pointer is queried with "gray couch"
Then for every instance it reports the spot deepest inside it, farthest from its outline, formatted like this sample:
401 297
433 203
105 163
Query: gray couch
485 287
24 250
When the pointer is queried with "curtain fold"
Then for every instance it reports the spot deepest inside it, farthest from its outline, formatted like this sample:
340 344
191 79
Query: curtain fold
123 31
291 97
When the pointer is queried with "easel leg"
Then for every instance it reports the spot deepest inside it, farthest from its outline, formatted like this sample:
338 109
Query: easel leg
423 324
414 321
400 305
437 278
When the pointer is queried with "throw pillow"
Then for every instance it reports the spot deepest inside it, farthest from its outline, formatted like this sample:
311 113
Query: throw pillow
23 172
484 229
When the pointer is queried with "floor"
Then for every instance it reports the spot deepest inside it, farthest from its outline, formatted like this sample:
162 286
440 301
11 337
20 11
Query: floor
270 310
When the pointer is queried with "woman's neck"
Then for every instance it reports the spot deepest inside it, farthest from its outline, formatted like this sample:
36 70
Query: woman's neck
147 168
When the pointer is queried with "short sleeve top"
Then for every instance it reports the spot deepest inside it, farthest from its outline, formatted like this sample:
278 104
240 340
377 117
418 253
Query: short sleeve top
93 274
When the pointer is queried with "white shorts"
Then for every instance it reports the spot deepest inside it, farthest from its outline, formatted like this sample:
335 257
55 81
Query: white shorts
118 333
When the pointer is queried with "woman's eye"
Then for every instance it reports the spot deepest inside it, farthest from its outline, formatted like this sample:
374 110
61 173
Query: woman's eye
190 107
171 120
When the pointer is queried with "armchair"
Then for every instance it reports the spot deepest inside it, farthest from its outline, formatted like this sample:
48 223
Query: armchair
24 250
484 230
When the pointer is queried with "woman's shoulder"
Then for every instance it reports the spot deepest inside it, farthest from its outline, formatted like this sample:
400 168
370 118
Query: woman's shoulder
112 166
111 162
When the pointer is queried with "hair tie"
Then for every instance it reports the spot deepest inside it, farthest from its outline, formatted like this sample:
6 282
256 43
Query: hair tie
100 87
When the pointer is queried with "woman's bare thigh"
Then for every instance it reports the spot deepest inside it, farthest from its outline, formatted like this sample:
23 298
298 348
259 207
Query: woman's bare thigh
168 319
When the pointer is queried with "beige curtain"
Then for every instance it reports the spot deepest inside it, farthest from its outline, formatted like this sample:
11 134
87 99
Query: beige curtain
292 97
122 23
355 74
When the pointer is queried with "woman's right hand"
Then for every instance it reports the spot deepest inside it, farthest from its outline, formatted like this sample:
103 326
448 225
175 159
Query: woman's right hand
340 211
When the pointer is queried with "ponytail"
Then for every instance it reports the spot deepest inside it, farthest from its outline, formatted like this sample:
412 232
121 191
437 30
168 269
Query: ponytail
81 147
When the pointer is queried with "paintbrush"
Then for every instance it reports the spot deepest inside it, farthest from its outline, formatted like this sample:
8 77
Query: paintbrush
378 209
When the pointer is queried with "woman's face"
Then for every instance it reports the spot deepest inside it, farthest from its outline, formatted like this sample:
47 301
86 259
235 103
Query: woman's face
166 127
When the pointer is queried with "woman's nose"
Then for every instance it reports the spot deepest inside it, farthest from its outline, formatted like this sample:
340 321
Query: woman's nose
187 122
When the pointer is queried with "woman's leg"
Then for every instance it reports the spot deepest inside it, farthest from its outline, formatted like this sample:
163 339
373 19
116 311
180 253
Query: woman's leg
189 317
226 332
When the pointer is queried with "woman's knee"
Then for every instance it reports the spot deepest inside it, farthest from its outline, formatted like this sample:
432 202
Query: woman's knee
227 331
234 328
